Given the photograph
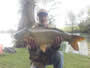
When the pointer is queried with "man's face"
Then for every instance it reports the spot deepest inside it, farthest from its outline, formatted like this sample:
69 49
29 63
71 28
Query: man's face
43 19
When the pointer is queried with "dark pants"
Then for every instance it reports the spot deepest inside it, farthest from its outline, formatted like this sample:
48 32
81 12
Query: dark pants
57 60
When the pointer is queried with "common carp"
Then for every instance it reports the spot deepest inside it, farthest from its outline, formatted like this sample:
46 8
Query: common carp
44 37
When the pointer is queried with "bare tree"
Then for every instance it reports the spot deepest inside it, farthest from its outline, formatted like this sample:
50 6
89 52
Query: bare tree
27 14
72 19
27 18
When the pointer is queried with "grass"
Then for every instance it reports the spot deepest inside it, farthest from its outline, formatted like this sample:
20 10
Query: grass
20 60
76 61
17 60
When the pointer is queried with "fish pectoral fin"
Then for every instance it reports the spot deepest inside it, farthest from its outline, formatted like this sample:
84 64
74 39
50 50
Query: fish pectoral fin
75 40
43 47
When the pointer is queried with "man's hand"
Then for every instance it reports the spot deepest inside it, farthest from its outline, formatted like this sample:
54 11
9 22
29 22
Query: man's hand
30 42
57 41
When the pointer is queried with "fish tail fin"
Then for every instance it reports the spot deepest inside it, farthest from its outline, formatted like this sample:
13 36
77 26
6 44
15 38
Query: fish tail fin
74 41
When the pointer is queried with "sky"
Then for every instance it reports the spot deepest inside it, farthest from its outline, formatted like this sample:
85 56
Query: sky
10 12
66 6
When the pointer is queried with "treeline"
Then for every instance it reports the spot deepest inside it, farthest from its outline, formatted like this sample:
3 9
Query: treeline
79 23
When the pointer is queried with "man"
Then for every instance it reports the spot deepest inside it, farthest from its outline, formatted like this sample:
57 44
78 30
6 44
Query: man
52 56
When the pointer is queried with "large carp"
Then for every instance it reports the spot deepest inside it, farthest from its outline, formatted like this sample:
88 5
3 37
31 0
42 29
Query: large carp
45 36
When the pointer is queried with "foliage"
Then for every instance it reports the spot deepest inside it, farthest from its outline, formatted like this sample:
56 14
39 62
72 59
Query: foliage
83 27
85 24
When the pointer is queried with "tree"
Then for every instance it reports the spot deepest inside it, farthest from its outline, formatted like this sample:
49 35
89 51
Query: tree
27 14
72 18
27 18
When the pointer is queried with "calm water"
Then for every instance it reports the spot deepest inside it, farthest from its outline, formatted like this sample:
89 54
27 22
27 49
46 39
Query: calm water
6 39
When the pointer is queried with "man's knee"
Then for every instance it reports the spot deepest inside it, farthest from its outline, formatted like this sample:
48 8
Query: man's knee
61 56
58 57
59 61
60 53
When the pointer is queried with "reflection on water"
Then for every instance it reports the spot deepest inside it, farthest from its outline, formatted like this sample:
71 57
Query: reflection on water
83 48
6 39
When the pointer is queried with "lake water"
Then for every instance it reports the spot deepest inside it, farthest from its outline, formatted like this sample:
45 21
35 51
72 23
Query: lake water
6 39
83 46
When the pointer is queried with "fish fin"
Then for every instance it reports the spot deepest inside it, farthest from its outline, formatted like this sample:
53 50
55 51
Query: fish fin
43 47
74 42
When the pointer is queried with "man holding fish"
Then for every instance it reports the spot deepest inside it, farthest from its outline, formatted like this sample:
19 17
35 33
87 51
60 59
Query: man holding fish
52 55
